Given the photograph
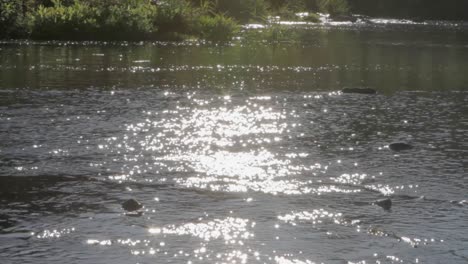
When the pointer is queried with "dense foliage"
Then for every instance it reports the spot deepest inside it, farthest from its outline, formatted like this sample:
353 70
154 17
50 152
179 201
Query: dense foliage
218 27
12 22
209 19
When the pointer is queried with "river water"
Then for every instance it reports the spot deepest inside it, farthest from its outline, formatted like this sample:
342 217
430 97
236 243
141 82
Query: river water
240 153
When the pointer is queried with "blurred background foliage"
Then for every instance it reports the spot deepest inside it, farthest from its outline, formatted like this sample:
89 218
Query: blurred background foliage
174 19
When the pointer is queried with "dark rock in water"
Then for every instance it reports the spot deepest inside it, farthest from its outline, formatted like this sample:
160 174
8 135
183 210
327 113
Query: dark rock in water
386 204
359 90
399 146
459 203
131 205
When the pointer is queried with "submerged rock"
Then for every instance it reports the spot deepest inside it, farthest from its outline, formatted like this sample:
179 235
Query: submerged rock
131 205
399 146
359 90
386 204
459 203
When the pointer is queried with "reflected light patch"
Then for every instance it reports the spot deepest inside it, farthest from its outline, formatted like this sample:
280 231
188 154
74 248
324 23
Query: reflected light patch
221 147
98 242
352 179
317 216
55 233
283 260
229 229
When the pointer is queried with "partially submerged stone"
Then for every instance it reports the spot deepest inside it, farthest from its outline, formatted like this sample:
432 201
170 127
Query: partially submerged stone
359 90
459 203
399 146
386 204
131 205
134 214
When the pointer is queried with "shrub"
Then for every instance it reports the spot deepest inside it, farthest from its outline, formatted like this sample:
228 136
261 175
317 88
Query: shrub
12 23
129 19
64 22
174 16
217 28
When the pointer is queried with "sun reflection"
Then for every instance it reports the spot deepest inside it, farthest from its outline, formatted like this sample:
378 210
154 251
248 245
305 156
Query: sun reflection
98 242
230 229
317 216
283 260
55 233
226 145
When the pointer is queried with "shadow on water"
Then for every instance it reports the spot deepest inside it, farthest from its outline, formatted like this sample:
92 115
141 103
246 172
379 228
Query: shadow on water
45 195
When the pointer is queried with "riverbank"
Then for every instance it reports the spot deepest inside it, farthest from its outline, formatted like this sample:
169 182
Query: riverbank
132 20
139 19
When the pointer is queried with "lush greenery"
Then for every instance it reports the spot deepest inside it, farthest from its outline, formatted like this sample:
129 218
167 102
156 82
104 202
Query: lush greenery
12 21
216 20
218 27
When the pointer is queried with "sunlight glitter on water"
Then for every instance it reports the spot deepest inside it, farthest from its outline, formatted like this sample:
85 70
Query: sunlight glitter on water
226 146
283 260
48 234
231 230
317 216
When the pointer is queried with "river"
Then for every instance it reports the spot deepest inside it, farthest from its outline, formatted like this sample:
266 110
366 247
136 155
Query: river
240 153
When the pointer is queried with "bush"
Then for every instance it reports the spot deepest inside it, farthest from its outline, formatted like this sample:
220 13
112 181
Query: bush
132 19
12 23
174 16
217 28
64 22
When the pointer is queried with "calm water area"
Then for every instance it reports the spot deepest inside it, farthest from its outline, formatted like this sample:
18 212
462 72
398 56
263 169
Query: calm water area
240 153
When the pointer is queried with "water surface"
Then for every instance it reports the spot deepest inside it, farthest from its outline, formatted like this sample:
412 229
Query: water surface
240 153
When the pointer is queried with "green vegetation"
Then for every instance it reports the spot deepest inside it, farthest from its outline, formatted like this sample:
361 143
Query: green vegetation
12 22
216 20
217 28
